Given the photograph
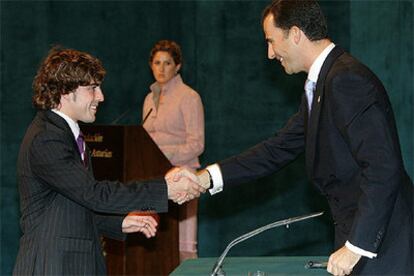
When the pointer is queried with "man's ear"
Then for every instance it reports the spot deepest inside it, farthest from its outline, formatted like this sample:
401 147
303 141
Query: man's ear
64 97
296 33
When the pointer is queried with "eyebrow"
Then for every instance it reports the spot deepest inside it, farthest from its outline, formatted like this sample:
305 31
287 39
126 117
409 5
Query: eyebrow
268 40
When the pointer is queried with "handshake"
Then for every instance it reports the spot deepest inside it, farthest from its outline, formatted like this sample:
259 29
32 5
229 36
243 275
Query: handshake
184 185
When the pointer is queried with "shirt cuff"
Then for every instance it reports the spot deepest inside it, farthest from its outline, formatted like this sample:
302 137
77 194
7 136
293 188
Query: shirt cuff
217 178
360 251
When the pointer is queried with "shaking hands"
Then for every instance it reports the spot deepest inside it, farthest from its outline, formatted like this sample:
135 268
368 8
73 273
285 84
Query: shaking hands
183 185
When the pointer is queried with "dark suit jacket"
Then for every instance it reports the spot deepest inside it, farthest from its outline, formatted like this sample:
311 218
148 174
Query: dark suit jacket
353 157
64 209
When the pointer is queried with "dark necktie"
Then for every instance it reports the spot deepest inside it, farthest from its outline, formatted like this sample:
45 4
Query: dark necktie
80 141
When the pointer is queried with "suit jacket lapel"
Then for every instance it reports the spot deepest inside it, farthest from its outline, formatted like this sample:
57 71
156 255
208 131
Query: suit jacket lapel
88 158
59 122
317 103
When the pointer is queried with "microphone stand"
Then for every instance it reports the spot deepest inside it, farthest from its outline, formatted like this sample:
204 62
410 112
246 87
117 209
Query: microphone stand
217 270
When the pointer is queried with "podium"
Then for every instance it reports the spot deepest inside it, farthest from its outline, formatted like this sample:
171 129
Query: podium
127 153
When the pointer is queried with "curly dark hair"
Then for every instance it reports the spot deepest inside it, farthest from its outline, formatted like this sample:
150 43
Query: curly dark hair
168 46
304 14
62 72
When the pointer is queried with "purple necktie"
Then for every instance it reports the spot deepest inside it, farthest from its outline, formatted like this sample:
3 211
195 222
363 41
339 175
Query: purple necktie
81 143
81 147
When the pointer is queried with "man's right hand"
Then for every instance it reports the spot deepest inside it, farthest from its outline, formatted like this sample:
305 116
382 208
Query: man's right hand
183 185
204 179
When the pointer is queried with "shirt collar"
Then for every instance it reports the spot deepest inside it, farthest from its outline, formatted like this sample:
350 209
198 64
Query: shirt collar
74 126
317 64
171 83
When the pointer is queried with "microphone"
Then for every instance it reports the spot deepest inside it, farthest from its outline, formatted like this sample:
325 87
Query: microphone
120 116
146 116
217 270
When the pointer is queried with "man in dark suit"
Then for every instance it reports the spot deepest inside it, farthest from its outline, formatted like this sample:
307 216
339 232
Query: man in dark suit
345 125
64 209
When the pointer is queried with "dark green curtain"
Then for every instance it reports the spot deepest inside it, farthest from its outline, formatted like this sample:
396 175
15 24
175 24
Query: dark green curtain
246 97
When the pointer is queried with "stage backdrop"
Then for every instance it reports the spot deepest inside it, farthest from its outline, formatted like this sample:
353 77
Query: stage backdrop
246 97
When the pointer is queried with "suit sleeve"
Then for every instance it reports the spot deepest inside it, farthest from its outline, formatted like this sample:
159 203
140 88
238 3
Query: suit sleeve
56 164
268 156
110 226
363 115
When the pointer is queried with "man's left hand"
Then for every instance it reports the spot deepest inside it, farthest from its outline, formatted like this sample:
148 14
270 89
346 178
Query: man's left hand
147 225
342 261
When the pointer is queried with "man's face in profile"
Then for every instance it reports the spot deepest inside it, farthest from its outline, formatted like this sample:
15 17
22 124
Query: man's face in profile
281 45
82 104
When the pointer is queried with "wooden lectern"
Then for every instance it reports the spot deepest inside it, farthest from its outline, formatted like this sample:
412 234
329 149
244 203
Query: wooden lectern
127 153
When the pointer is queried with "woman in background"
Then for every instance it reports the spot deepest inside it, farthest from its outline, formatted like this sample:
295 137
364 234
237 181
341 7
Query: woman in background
174 118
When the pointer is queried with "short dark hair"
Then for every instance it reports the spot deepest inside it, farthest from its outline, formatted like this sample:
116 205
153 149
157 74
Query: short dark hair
304 14
168 46
62 72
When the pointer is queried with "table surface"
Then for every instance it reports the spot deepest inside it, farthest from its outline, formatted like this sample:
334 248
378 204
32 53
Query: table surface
249 265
